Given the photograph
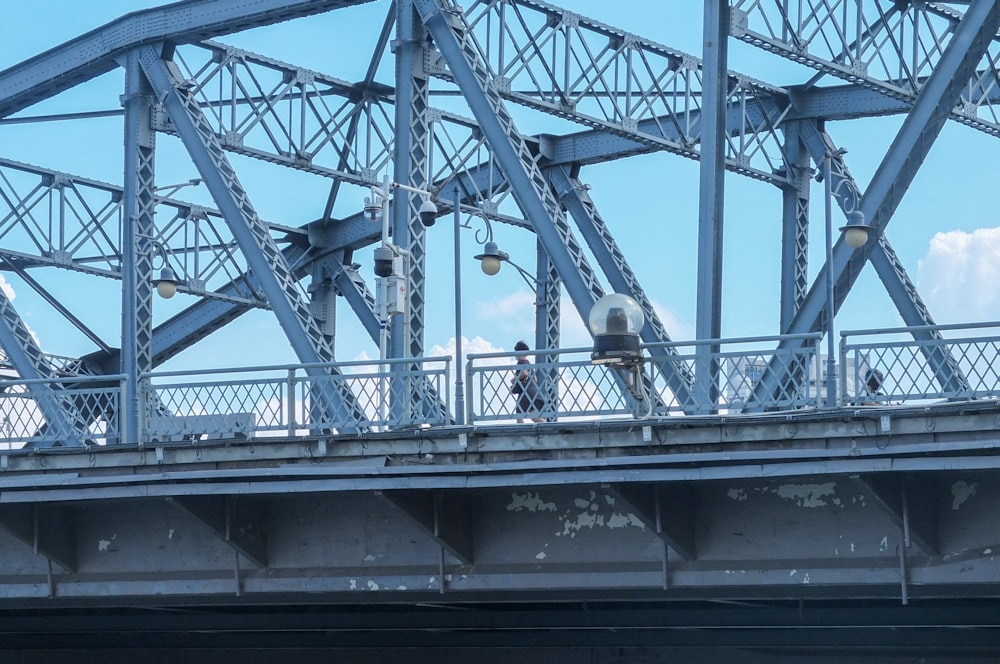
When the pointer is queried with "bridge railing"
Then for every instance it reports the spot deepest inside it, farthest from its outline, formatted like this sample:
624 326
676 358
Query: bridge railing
570 387
567 384
735 368
52 412
925 363
285 400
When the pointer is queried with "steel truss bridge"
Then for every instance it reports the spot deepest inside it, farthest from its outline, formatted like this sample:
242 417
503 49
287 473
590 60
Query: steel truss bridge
669 516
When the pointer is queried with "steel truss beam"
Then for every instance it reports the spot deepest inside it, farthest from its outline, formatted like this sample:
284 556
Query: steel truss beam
892 49
64 426
559 62
529 186
262 254
904 158
573 194
94 53
512 152
890 270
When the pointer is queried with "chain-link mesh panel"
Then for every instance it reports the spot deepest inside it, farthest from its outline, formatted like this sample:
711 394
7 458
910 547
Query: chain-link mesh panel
286 401
913 370
95 405
588 390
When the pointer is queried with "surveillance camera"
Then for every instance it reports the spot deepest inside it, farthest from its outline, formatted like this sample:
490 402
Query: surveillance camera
383 261
428 213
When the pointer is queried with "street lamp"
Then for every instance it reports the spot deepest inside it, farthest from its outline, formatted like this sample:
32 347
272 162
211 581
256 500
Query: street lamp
616 320
857 231
166 284
492 259
856 234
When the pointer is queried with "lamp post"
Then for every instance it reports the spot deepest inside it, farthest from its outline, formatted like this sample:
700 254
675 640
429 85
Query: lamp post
856 234
459 369
390 265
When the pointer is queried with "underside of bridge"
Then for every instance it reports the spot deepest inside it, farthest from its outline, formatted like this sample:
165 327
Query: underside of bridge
627 543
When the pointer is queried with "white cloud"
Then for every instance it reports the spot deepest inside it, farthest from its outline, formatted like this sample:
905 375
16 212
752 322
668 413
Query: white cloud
8 290
469 347
958 276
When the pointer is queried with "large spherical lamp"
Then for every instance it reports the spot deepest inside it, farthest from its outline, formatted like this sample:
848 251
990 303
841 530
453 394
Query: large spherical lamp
615 321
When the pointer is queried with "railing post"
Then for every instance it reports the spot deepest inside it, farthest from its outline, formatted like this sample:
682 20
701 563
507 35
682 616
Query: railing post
459 405
142 399
291 402
470 415
843 370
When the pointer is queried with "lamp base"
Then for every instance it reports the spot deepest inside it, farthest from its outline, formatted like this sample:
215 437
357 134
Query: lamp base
616 349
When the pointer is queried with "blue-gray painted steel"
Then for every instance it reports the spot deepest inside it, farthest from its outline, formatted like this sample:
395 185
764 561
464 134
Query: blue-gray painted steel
897 283
138 205
711 199
619 274
907 151
92 54
529 187
794 225
273 273
27 358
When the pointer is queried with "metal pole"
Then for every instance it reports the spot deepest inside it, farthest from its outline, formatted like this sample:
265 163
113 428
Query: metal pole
383 314
831 363
459 384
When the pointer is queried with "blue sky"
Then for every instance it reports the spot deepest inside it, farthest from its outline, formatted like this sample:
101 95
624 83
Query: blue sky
945 231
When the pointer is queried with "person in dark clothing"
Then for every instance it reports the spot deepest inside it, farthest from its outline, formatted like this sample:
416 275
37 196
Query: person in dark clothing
524 386
873 387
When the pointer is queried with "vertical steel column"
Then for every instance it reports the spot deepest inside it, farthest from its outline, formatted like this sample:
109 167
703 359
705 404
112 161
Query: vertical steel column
794 226
708 321
548 318
410 162
138 208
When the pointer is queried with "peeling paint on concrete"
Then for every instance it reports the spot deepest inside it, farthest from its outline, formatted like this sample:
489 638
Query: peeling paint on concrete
372 585
738 495
961 491
793 572
530 502
884 544
170 534
105 545
808 495
619 520
353 584
594 514
401 588
540 555
805 579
